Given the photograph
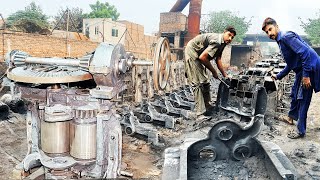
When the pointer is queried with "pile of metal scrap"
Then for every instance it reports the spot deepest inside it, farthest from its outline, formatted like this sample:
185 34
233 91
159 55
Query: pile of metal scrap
232 138
162 111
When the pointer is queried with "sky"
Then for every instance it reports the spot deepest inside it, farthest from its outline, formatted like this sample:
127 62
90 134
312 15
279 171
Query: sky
147 12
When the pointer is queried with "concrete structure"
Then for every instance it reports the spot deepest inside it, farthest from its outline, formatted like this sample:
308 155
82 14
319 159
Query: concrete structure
130 34
104 30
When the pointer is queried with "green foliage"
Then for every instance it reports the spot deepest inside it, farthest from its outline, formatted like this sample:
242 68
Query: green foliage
75 20
312 29
30 20
103 10
218 21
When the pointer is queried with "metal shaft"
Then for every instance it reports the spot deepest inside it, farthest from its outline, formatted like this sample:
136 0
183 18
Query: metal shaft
53 61
223 82
142 62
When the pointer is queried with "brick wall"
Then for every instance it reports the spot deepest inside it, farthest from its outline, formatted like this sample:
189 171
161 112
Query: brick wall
137 42
42 45
171 22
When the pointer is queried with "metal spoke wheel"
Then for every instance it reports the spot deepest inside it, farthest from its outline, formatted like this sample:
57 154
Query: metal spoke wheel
161 64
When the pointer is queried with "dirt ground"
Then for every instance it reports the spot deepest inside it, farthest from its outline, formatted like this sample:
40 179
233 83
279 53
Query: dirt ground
143 160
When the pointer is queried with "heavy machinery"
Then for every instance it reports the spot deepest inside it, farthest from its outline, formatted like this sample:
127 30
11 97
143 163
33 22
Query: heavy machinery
74 126
220 149
73 129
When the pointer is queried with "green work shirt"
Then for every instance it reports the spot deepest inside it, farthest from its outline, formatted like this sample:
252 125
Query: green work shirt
211 41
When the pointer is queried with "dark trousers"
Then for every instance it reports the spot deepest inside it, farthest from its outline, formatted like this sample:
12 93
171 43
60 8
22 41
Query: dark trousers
300 102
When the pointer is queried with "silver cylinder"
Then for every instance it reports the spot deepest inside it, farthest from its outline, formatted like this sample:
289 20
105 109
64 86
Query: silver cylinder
55 137
83 139
142 63
53 61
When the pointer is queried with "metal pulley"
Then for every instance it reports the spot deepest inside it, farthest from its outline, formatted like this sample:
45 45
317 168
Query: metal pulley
161 63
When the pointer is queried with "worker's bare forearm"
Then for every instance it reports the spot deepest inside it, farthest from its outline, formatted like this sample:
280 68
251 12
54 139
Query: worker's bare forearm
204 59
209 66
220 67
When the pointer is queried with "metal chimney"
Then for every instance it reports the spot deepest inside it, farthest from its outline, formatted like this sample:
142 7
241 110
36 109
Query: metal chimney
193 20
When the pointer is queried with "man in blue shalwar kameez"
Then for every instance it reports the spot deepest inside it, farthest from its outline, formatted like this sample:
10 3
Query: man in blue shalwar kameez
305 62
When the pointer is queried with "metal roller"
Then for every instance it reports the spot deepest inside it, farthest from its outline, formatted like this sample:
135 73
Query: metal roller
83 135
55 137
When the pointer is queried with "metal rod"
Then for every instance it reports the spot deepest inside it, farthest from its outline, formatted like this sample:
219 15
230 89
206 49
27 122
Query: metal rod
223 82
53 61
142 62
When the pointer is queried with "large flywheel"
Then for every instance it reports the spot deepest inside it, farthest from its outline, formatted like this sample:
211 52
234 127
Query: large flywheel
161 64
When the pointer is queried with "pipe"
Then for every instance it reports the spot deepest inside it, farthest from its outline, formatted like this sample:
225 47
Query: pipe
53 61
142 63
194 19
179 5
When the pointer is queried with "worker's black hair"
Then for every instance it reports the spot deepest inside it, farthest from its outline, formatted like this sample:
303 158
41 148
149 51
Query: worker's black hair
268 21
231 29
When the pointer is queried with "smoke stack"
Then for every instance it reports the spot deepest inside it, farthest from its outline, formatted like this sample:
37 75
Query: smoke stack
193 20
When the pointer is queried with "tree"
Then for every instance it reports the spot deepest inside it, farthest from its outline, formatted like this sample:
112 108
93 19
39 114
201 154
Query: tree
103 10
218 21
30 20
312 29
75 19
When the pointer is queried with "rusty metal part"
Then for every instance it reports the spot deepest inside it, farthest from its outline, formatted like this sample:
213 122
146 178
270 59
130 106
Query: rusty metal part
278 164
179 102
40 74
214 147
148 113
55 137
246 96
193 19
161 64
132 127
164 105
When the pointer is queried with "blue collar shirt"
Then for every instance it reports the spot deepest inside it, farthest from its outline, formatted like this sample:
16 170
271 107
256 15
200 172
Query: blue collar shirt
299 56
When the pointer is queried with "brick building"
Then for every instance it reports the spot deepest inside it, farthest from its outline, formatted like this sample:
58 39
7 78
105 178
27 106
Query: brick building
130 34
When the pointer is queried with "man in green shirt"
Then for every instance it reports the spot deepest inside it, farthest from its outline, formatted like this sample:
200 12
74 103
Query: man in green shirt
198 53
